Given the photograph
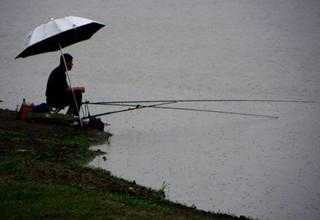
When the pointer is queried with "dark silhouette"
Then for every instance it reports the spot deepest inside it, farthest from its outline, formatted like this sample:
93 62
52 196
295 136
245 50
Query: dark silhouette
58 92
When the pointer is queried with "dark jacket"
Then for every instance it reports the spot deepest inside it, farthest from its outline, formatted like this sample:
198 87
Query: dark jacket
56 86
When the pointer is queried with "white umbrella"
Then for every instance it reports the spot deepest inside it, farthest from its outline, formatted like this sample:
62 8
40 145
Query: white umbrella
59 33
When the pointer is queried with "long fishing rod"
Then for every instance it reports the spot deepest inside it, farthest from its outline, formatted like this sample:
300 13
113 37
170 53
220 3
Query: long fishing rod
133 107
179 108
199 100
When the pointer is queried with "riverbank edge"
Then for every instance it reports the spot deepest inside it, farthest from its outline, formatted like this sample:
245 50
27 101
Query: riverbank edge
41 163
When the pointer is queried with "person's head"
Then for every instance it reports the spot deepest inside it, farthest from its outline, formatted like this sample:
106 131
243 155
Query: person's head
68 58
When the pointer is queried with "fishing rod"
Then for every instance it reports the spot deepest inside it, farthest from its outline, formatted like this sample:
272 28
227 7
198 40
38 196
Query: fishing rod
134 107
200 100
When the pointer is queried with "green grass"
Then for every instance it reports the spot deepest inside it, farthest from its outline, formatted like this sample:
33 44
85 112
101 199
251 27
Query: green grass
31 200
42 176
13 136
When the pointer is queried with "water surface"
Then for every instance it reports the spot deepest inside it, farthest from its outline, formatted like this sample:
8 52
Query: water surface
193 49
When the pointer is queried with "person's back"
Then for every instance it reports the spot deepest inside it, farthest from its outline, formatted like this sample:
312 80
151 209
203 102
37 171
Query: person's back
59 94
56 86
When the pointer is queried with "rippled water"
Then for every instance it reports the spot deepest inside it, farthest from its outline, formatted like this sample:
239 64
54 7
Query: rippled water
265 168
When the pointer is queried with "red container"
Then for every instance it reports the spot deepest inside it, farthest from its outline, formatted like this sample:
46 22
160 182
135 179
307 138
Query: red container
24 111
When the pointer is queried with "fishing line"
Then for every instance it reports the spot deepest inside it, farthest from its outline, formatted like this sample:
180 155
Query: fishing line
182 109
200 100
134 107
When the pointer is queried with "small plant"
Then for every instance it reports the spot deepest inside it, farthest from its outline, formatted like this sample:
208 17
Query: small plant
163 187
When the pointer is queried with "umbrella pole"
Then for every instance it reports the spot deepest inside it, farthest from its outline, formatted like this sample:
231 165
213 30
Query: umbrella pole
73 95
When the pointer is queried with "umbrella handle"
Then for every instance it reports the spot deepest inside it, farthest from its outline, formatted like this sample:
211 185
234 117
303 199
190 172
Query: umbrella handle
73 95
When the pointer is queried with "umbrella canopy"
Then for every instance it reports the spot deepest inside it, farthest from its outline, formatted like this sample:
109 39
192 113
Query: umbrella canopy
59 33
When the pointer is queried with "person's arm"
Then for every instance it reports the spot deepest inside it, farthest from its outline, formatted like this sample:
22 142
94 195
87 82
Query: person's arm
78 88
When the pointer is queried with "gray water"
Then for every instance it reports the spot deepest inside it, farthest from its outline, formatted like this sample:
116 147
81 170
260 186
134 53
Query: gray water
264 49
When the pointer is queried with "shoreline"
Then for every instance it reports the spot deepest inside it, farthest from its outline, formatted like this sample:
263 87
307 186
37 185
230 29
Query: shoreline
38 159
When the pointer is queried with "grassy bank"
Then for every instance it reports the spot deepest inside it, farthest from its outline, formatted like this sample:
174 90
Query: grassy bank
42 175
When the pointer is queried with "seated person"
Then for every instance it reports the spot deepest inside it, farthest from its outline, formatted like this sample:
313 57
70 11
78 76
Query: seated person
59 93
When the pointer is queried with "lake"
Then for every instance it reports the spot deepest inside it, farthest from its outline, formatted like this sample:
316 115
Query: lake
201 49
